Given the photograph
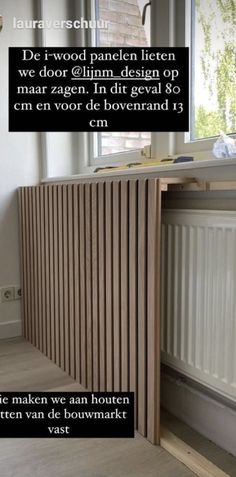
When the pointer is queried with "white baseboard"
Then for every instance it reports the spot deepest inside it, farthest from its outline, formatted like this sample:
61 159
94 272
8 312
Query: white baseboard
213 419
10 329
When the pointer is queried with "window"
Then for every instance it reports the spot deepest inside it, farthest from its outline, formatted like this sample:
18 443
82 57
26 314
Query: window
209 31
125 30
214 68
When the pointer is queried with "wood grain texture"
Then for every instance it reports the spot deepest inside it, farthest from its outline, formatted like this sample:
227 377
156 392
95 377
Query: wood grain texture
51 285
198 464
71 292
47 273
34 268
66 323
55 287
82 280
102 286
133 291
95 293
109 287
43 273
60 284
76 285
91 278
124 273
117 285
142 307
88 259
30 269
153 310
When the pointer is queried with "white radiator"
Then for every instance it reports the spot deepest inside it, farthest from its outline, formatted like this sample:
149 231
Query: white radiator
199 296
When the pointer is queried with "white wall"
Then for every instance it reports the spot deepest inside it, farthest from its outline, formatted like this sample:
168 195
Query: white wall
19 164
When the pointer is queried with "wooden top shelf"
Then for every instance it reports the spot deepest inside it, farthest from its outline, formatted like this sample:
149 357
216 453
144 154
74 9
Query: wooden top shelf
190 184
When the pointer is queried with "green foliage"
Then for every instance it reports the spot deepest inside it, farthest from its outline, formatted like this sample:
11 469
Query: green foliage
218 67
208 124
227 9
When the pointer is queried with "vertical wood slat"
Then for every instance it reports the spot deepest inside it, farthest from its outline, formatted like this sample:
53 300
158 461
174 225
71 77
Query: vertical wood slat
47 272
31 264
39 269
88 251
82 285
22 252
116 285
124 251
31 268
77 318
66 323
55 254
133 291
25 264
142 311
35 275
153 311
60 280
71 293
95 280
101 286
51 284
43 276
109 286
91 278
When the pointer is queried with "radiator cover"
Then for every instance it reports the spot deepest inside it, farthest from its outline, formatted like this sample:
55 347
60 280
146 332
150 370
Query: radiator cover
91 283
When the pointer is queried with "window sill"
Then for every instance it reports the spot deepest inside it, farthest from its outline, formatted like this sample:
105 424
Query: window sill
214 169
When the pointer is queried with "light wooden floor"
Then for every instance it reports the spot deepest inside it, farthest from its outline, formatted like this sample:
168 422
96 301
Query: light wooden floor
22 368
206 448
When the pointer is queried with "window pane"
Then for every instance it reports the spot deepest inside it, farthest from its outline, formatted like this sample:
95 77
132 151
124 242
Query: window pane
213 67
125 29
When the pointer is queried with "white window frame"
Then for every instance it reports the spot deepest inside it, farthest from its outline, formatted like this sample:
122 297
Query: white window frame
168 17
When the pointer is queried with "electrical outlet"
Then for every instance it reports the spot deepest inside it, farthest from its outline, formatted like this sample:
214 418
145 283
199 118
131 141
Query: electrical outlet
7 294
17 293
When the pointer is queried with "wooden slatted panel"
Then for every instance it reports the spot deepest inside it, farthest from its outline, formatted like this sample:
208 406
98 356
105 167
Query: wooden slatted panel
90 258
43 273
22 256
51 307
31 268
109 287
31 264
47 272
95 281
82 285
124 252
39 270
71 291
116 285
26 274
133 290
35 275
60 278
101 286
55 254
142 307
153 311
66 323
77 317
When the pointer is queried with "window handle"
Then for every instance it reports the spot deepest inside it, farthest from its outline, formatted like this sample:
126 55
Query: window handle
144 12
